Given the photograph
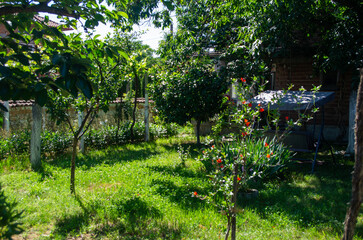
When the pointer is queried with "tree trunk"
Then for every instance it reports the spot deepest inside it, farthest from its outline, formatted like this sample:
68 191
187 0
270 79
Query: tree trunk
198 132
35 142
357 182
234 202
81 141
73 164
228 228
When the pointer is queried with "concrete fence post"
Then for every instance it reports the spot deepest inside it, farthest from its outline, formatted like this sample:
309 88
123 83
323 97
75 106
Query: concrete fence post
6 121
146 117
35 142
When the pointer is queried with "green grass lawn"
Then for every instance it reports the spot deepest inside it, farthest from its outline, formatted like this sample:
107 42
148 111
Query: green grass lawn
143 191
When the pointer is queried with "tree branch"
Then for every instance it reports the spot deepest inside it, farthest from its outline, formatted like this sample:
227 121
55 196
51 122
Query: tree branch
8 10
83 123
70 125
90 121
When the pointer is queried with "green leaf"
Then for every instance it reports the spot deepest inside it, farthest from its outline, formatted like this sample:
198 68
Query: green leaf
54 87
123 14
124 55
85 87
56 59
22 59
39 87
36 57
64 70
169 5
109 52
42 97
5 71
46 69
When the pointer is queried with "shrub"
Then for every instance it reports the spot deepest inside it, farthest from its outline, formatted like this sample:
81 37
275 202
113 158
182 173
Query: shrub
16 143
55 142
58 142
262 158
9 218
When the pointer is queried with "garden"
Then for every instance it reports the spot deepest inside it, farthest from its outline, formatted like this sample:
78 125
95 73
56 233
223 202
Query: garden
126 142
146 191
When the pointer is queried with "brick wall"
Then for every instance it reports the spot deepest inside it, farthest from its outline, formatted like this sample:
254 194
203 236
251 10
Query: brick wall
299 72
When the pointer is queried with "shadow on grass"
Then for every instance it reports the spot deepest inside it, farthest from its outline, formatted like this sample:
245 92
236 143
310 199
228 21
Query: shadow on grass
44 174
178 170
308 199
135 210
75 222
182 195
71 224
109 156
127 217
113 155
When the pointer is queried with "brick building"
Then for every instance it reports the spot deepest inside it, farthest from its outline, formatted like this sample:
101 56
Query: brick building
299 71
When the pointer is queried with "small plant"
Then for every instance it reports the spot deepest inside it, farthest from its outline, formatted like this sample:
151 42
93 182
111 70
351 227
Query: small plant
9 218
56 142
184 153
231 166
262 157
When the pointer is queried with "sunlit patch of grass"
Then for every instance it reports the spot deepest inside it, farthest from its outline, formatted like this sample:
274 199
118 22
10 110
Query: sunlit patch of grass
142 191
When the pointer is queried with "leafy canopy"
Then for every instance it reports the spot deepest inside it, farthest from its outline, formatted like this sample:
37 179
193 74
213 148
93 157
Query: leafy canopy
35 52
194 92
248 34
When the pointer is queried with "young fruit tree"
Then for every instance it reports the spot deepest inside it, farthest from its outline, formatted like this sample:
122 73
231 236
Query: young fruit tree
104 73
195 92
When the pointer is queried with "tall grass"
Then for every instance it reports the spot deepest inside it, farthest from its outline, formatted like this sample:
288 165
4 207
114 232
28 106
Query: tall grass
143 191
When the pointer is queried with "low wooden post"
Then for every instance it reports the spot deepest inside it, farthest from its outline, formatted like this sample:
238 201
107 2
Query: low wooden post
35 142
146 117
6 121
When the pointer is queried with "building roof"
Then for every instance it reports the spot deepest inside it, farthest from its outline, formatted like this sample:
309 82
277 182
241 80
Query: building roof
51 23
25 103
19 103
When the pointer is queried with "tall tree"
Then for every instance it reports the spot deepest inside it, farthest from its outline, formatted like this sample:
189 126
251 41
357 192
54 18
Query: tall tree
357 182
140 60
